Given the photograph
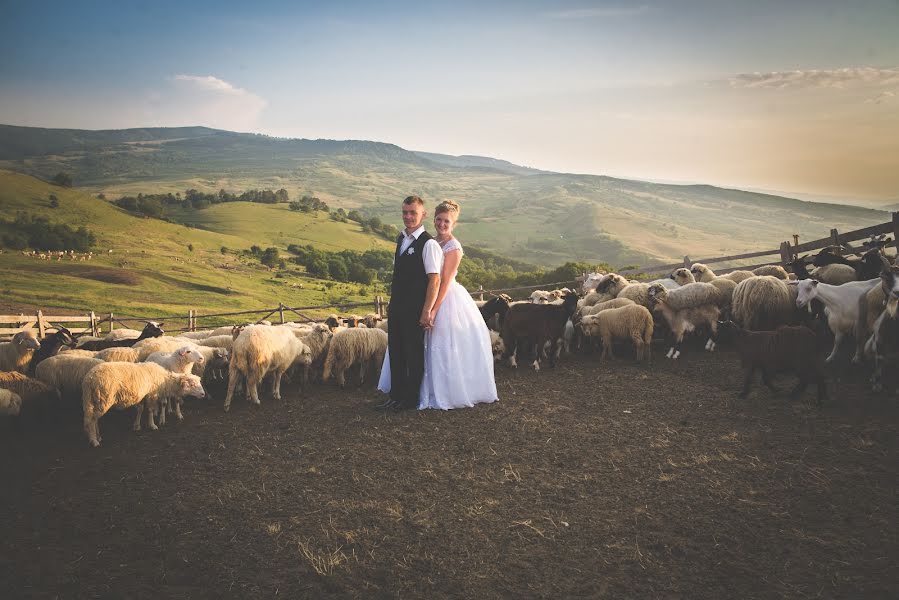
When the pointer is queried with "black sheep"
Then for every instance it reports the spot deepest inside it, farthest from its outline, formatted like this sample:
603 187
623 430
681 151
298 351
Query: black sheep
151 330
50 346
792 350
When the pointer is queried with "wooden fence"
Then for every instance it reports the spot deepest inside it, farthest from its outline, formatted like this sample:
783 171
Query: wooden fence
784 253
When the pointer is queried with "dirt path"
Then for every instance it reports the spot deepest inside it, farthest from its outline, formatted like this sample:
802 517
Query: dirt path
610 481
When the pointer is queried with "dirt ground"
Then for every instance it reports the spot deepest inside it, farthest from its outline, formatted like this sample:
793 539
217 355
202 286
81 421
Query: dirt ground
599 481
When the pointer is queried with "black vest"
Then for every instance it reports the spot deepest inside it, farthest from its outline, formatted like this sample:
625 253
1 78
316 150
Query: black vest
410 282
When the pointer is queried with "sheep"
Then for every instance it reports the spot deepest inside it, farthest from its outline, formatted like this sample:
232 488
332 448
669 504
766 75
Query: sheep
32 391
333 322
683 276
608 288
16 355
497 345
631 322
123 385
834 274
544 297
772 271
762 303
50 346
872 304
383 326
216 341
639 292
787 349
591 281
10 403
201 335
867 267
150 330
371 320
119 354
122 334
66 373
841 305
317 340
161 344
69 352
704 274
537 324
685 309
260 349
182 360
494 311
352 346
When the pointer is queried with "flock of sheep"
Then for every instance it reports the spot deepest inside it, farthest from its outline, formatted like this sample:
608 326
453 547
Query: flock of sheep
766 313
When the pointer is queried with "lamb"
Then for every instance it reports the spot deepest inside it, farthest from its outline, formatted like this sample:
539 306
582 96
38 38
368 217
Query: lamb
10 403
536 324
150 330
704 274
841 306
258 350
16 355
65 373
686 309
354 346
633 322
762 303
317 340
50 346
122 385
772 271
785 350
180 361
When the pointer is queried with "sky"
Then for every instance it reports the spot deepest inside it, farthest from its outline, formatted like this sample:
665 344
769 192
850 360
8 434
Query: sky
791 96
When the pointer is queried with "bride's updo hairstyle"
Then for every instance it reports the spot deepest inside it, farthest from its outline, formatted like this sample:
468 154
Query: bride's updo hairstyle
448 206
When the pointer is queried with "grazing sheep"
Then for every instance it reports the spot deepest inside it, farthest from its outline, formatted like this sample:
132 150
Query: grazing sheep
260 349
686 309
354 346
51 346
535 325
66 373
762 303
10 403
633 322
786 350
841 306
29 389
16 355
772 271
704 274
123 385
118 354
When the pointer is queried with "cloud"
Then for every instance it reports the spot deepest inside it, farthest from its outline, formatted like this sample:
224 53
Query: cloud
597 13
208 100
880 98
817 78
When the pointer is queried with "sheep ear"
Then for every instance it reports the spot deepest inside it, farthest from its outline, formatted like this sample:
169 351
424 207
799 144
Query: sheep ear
183 351
792 282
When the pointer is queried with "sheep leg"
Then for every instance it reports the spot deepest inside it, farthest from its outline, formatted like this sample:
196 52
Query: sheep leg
178 404
92 428
276 385
232 383
747 382
363 367
341 378
138 412
164 407
766 379
606 351
151 417
253 381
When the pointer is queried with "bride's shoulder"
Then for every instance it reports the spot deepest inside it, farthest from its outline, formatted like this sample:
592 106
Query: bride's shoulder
451 245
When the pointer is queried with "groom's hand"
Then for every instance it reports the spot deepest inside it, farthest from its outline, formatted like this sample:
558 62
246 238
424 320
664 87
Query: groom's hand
425 319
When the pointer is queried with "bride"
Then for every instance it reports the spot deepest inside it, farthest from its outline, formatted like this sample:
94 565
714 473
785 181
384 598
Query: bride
458 355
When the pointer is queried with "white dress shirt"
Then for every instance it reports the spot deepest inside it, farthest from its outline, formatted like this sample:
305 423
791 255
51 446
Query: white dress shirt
431 253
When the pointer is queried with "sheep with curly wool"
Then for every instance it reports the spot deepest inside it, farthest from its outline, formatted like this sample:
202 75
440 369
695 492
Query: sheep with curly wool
117 354
123 385
216 341
66 373
317 340
704 274
632 323
258 350
183 360
350 347
16 355
10 403
763 303
686 309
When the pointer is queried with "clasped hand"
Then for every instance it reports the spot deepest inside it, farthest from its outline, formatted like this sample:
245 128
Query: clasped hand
426 321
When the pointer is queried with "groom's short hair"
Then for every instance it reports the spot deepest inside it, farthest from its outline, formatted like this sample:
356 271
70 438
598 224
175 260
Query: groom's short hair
414 200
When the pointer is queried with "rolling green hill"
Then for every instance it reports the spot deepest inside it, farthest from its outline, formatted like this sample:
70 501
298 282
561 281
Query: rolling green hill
536 216
144 267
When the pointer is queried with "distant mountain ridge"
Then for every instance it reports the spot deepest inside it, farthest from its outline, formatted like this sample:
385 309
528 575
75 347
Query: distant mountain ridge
529 214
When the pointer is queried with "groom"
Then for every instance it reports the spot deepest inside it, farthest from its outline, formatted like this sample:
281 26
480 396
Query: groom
416 279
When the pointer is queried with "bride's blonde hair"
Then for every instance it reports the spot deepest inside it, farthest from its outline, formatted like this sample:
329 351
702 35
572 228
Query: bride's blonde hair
448 206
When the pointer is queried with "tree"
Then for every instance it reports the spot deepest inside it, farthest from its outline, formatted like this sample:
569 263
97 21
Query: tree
54 201
269 257
337 269
317 267
63 179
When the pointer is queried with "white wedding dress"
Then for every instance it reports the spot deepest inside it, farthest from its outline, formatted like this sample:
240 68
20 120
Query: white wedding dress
458 354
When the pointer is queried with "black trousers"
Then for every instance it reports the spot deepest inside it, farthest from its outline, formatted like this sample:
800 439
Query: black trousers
407 357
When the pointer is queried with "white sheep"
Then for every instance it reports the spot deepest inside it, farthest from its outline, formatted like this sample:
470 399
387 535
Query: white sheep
683 276
834 274
16 354
216 341
704 274
771 270
763 303
686 309
65 373
260 349
122 334
631 322
118 354
317 340
354 346
183 360
10 403
123 385
28 388
497 345
200 335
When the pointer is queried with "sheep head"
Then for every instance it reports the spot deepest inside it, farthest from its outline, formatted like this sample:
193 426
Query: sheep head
683 276
657 293
702 273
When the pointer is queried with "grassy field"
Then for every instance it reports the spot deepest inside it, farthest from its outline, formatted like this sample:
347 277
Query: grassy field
144 266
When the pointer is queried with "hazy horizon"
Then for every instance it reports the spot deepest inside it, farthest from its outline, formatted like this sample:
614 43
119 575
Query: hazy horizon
802 97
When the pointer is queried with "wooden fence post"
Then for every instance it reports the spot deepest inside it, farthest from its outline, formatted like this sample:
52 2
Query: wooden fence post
378 309
41 326
795 239
835 238
481 292
785 255
111 322
94 330
281 311
896 230
687 262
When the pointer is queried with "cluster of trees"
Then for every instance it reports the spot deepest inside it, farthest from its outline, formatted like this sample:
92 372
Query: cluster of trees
38 233
369 224
270 257
154 205
346 265
497 272
309 204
